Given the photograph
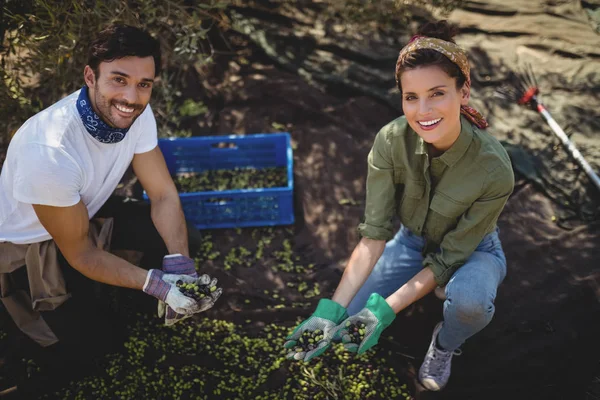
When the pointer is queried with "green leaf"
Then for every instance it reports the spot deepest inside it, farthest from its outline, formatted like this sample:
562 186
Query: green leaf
191 108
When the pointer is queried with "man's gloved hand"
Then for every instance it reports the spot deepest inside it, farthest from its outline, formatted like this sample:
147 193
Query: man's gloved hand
361 331
163 287
179 264
313 336
175 264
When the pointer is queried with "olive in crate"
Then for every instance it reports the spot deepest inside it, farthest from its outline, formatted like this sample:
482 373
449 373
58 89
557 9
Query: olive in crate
195 291
355 332
234 179
308 341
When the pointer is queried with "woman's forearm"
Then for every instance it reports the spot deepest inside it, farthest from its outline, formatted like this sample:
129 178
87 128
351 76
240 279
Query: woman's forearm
359 267
420 285
168 218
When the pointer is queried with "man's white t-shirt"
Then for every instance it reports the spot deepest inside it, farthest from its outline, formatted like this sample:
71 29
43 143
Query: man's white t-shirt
52 160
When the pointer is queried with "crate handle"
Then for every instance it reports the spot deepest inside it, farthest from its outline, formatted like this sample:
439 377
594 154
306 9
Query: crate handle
218 200
224 146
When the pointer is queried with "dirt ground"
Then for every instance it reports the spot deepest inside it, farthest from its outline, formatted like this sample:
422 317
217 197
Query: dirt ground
543 341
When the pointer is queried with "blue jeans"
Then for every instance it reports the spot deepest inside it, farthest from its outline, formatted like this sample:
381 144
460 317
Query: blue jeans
470 293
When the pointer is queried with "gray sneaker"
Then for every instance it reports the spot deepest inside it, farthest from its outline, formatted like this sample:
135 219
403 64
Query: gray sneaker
435 371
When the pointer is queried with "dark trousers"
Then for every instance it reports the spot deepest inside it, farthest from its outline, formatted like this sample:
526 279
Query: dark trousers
92 322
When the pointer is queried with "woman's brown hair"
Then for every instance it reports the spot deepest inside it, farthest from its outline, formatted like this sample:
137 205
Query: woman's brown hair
427 57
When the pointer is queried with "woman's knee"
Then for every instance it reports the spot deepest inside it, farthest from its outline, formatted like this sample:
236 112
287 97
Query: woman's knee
470 309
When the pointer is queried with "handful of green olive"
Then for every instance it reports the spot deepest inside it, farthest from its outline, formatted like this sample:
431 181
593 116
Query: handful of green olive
195 291
308 341
355 332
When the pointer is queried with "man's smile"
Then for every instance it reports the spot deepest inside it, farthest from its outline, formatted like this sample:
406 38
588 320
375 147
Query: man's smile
124 109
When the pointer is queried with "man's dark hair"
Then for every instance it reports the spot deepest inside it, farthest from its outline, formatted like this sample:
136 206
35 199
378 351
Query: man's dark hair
118 41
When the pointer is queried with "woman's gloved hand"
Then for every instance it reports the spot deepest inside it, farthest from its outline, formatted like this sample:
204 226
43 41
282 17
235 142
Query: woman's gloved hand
313 336
361 331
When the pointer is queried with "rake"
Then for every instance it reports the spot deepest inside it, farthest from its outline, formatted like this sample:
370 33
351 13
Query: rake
523 89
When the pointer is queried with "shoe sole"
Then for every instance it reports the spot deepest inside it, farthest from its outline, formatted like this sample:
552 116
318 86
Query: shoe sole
431 385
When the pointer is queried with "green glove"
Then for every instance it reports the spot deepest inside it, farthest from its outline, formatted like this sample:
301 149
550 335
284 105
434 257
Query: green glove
313 336
361 331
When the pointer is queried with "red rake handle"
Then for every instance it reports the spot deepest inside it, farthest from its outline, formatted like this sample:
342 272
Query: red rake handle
569 145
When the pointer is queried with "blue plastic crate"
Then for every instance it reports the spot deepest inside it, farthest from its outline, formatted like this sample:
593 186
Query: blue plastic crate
233 208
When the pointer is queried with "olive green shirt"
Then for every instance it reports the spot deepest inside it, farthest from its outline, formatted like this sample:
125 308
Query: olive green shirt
453 200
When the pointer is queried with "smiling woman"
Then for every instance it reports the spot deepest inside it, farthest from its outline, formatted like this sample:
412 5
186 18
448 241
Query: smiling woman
448 236
447 179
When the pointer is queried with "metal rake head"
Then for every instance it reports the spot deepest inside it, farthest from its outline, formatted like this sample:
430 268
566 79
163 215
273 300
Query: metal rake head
521 87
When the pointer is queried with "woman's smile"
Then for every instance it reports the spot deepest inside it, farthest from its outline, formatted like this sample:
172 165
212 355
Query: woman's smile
429 124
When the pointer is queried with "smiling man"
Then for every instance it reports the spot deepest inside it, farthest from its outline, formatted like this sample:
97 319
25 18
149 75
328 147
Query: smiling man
61 169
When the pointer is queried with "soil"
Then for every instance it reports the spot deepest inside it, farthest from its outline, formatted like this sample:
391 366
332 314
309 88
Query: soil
543 341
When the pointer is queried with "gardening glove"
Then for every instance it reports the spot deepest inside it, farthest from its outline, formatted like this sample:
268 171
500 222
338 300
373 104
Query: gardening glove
313 336
175 264
204 300
163 287
361 331
184 265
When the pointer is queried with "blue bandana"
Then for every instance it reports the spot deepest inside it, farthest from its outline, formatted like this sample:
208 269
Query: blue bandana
99 129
